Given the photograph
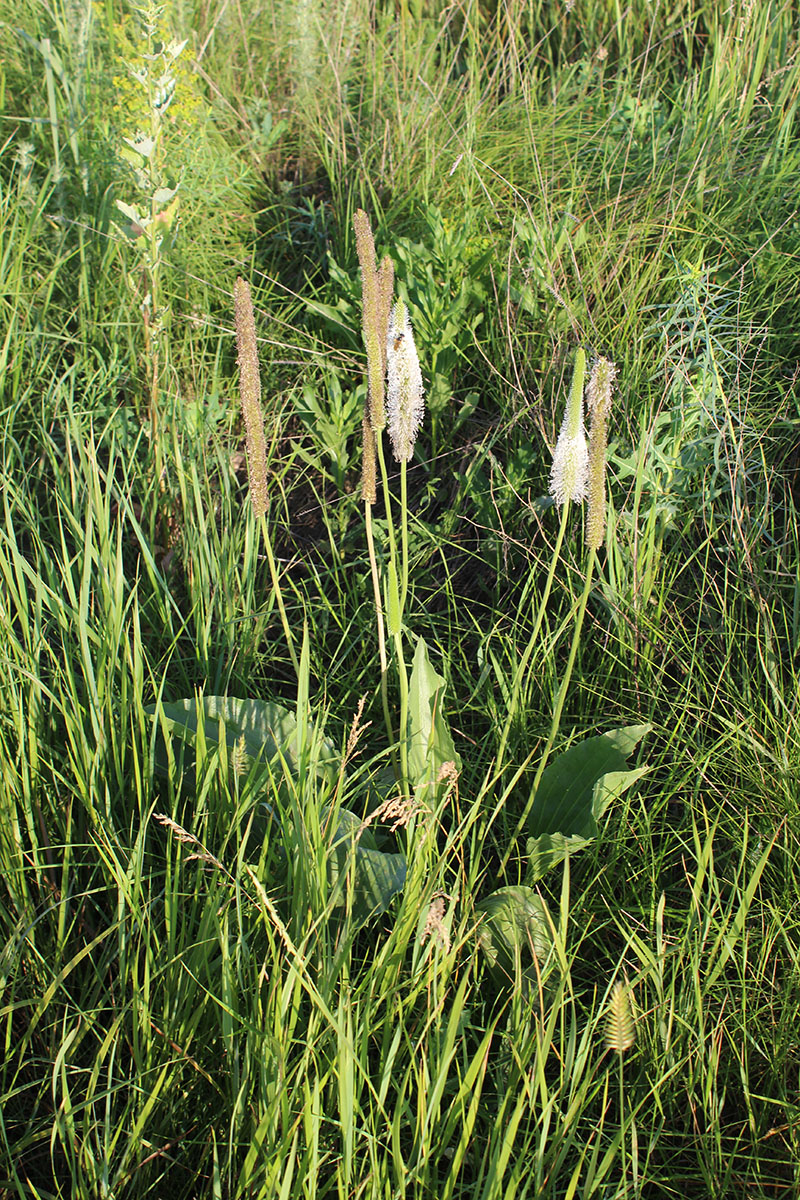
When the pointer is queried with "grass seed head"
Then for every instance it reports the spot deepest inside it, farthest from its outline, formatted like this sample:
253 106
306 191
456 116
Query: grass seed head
368 488
620 1028
374 316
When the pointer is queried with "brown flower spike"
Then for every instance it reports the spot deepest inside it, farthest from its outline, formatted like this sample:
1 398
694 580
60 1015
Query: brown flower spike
598 402
250 393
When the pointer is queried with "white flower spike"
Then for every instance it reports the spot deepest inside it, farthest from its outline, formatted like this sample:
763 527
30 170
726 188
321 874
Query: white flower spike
405 402
569 476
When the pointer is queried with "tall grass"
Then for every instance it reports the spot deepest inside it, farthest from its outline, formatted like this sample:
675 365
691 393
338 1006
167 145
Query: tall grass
185 1008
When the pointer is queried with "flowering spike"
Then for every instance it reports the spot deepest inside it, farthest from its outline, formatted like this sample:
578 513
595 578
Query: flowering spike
598 402
569 475
368 492
373 317
405 401
620 1022
250 392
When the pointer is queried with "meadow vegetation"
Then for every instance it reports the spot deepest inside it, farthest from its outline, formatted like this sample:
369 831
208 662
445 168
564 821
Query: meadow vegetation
439 846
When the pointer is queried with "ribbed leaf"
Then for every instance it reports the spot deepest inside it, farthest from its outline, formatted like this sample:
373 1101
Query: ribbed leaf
577 788
362 875
264 730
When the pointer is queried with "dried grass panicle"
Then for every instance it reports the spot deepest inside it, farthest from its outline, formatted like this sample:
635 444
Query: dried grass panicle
356 730
598 402
189 839
435 926
448 773
250 393
399 810
620 1025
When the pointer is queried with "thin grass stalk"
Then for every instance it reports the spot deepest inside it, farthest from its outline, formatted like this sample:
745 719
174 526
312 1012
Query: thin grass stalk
376 590
528 651
559 705
403 535
394 611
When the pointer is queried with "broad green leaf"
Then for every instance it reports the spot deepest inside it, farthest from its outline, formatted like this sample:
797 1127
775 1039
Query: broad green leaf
132 213
262 729
610 786
576 789
376 877
430 745
548 850
515 930
163 195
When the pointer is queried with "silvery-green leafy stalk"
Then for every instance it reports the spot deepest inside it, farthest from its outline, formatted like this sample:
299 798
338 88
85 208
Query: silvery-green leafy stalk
405 402
569 476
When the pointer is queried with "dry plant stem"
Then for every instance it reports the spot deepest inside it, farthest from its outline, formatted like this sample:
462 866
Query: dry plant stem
623 1147
528 651
403 738
392 601
396 617
376 588
559 705
276 586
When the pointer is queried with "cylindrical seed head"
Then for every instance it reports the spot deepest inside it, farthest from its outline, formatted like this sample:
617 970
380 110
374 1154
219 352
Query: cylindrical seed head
405 401
570 471
368 493
374 316
598 402
250 393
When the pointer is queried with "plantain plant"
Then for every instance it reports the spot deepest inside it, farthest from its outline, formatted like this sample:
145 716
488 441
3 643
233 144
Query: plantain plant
319 814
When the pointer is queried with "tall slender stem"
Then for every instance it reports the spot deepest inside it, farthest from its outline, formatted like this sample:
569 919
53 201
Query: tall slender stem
403 732
278 594
376 588
528 651
557 710
403 535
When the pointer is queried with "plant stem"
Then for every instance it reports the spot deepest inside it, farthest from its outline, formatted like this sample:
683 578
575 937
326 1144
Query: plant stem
395 600
403 732
523 664
403 535
376 588
387 501
559 705
278 594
